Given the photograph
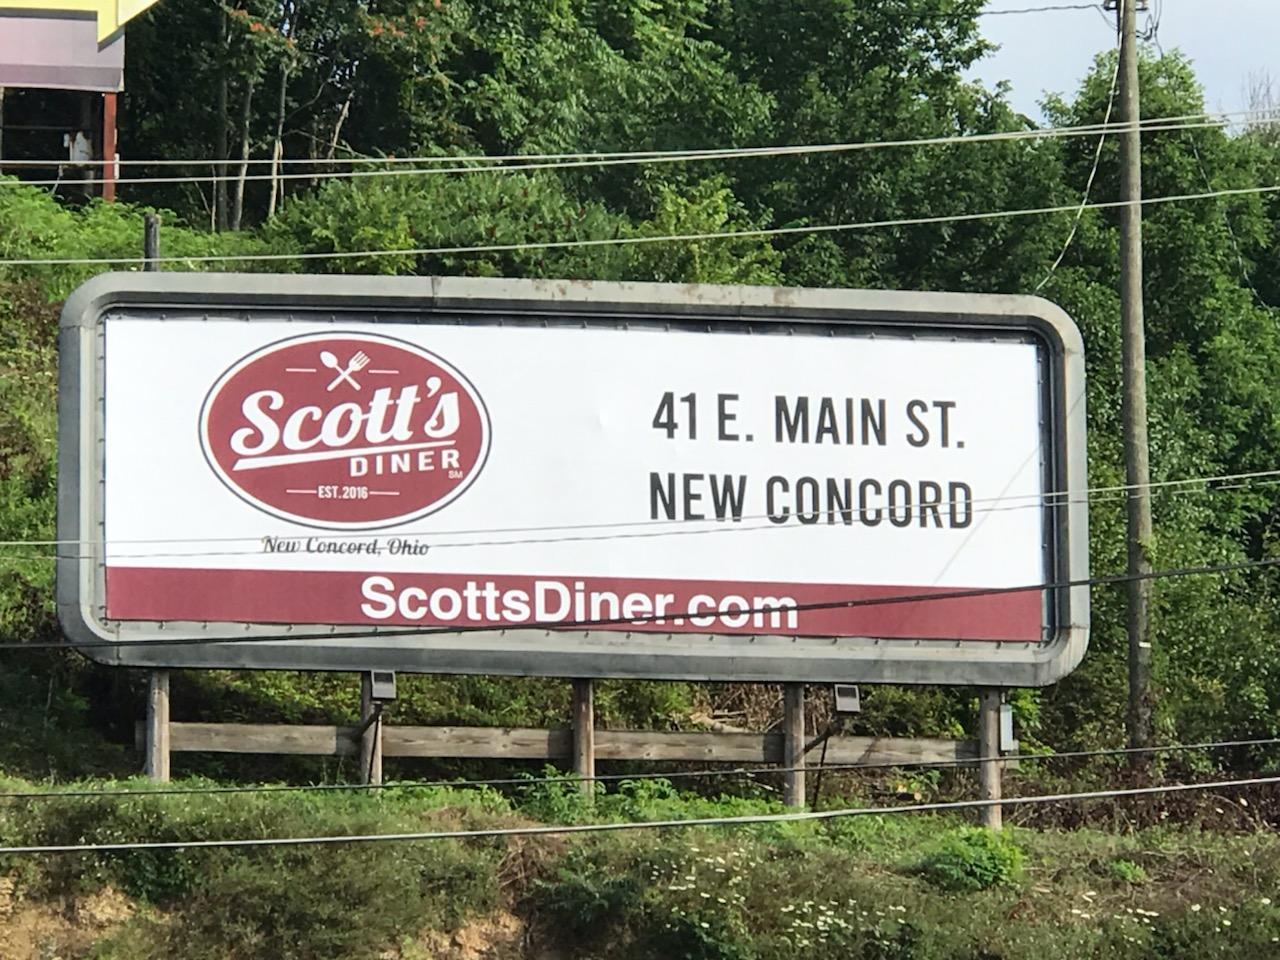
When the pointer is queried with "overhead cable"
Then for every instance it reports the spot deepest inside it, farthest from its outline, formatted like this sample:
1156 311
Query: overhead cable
634 240
1088 185
288 636
1049 8
518 164
1215 118
670 528
614 827
533 782
1055 498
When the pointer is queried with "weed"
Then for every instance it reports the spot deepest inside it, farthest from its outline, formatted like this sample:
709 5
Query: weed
554 799
973 859
1126 871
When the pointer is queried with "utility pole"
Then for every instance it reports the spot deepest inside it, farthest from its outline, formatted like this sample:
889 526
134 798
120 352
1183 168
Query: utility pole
1134 401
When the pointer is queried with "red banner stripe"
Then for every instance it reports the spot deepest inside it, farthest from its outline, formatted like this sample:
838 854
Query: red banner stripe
469 601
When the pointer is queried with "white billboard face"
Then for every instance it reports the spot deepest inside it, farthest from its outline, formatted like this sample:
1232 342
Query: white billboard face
546 485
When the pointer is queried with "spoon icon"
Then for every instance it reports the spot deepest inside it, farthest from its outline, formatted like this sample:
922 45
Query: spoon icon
358 362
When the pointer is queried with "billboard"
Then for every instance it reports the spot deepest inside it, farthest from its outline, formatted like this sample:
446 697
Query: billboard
572 479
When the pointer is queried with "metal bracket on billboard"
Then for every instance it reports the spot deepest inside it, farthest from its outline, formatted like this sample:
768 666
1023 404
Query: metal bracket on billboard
573 479
382 686
848 698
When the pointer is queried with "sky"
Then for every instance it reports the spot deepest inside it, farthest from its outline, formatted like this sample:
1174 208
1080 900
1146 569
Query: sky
1052 51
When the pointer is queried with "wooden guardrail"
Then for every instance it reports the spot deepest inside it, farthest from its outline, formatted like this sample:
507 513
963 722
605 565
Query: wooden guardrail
578 746
529 743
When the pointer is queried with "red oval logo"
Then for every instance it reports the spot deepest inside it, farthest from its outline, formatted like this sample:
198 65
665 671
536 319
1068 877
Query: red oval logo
345 430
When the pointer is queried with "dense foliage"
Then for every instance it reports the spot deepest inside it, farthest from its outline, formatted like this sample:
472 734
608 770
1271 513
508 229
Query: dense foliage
334 79
865 888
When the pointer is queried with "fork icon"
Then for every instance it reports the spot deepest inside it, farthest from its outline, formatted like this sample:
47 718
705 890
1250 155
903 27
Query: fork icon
354 365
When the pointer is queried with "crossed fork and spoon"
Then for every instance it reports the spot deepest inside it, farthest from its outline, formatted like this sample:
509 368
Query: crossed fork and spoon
354 365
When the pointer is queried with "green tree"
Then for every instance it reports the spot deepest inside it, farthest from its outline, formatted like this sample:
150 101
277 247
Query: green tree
1214 383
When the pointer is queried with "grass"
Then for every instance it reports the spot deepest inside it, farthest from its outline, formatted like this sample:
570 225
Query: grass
856 888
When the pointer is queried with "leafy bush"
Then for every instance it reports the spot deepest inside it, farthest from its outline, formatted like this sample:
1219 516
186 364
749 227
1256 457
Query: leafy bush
875 835
555 798
697 939
973 859
292 902
1126 871
585 900
348 900
658 799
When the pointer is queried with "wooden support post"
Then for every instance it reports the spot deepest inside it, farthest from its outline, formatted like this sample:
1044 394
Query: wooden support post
371 739
793 743
990 768
584 734
151 241
108 166
157 739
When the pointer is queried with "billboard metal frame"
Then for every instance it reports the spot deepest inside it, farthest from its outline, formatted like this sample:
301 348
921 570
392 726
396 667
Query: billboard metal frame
525 651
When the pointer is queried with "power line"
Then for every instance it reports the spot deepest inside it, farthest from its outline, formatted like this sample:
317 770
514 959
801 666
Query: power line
528 781
633 240
720 527
1088 186
672 528
517 163
1213 118
848 604
614 827
1055 498
1151 31
657 158
1051 8
597 538
636 155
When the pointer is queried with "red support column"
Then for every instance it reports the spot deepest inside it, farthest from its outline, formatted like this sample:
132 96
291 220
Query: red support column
108 157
